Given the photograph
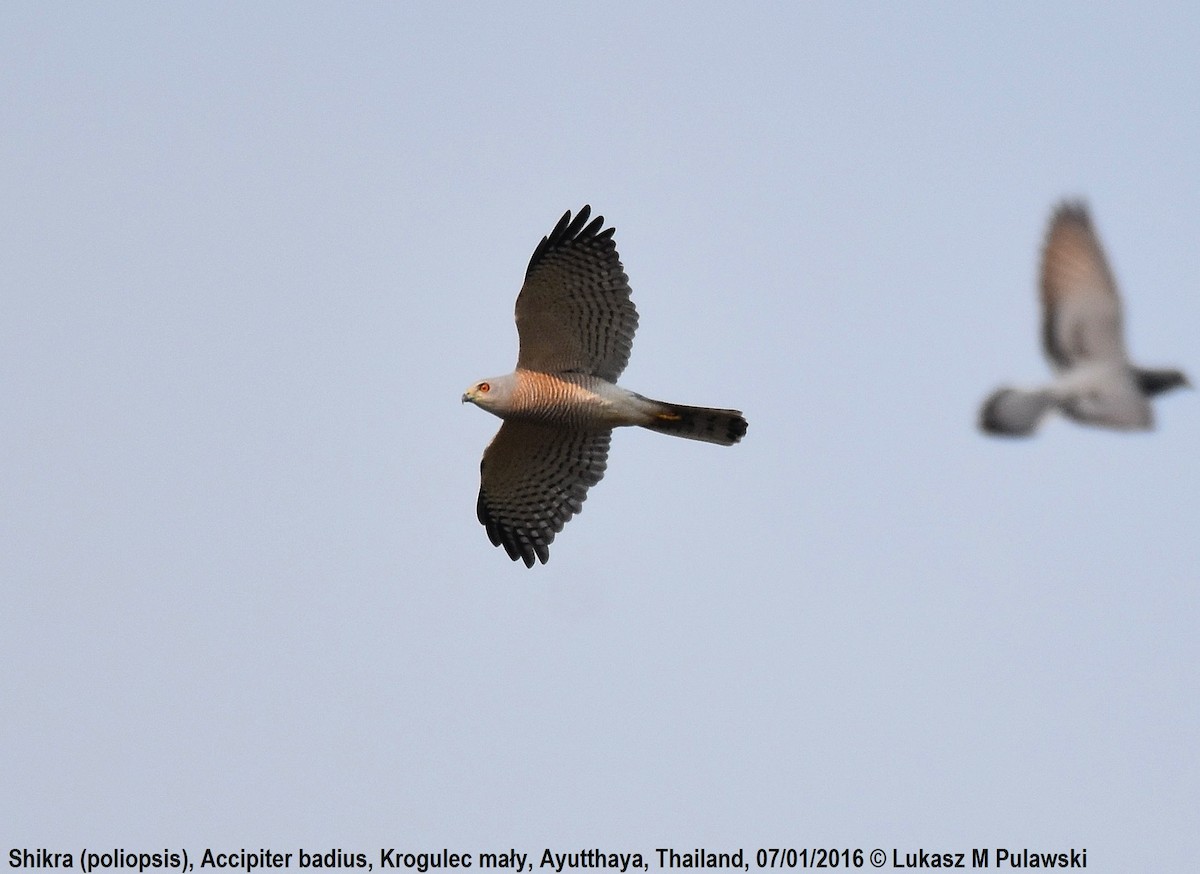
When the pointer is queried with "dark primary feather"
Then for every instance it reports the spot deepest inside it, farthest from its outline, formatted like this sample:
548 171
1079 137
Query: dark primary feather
568 231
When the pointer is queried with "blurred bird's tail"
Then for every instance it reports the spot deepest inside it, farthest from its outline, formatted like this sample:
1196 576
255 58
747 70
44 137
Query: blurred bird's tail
724 427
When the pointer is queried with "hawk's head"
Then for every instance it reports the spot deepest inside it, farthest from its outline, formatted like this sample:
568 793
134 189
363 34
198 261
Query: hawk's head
491 394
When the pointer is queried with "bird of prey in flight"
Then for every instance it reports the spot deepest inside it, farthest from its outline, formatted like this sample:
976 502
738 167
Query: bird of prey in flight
576 322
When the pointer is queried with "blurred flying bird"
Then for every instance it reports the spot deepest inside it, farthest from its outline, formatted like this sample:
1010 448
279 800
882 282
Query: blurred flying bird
1095 383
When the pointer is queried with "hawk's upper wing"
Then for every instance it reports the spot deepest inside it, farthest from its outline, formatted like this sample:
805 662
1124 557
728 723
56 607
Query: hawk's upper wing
1081 312
533 479
574 311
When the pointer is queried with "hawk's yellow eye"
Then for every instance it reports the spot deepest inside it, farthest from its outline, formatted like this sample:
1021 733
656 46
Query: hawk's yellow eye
484 387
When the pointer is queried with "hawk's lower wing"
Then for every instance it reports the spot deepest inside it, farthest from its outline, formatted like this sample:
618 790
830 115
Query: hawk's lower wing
533 479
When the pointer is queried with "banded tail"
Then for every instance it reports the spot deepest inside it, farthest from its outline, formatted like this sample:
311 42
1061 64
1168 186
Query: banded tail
723 427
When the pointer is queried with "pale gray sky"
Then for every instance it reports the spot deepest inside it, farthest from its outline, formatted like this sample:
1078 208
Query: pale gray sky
254 254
